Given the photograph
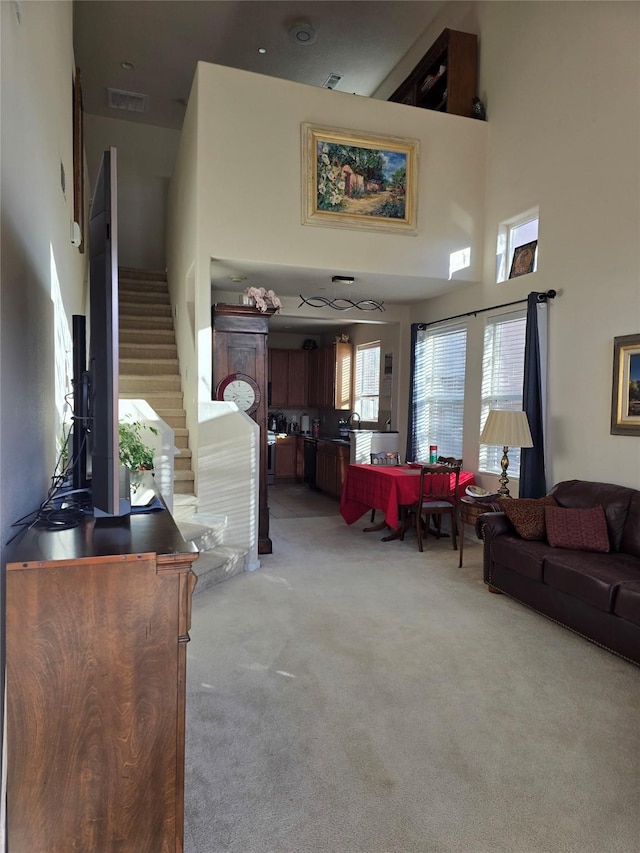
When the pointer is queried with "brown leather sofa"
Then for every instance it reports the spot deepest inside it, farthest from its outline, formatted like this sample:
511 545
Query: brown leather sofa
594 594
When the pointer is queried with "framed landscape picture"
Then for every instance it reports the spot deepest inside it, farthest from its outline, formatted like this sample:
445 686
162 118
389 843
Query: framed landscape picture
354 180
625 402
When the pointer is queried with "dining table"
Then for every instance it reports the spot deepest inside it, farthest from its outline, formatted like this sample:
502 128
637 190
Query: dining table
388 488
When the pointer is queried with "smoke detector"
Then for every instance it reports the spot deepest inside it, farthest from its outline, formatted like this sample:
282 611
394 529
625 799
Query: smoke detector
302 33
134 102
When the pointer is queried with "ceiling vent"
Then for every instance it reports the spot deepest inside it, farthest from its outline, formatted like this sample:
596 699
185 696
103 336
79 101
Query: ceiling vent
332 81
134 102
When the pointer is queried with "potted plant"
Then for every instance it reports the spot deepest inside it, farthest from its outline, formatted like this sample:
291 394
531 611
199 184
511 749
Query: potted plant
134 453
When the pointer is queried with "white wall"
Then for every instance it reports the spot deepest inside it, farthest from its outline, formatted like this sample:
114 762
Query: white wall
562 83
243 201
41 273
146 157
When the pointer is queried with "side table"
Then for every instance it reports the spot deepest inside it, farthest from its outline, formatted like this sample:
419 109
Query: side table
470 509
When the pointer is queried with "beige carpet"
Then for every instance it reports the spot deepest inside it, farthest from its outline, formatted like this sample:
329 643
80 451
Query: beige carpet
355 696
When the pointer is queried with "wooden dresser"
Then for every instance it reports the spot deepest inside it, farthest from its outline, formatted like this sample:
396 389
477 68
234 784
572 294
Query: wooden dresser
97 625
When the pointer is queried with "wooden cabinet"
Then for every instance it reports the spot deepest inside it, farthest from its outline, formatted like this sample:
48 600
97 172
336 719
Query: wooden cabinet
332 461
300 458
330 372
342 363
240 346
97 621
316 379
288 374
446 78
286 457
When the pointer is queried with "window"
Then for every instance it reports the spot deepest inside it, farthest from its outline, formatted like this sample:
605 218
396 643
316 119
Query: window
502 378
439 372
367 381
512 234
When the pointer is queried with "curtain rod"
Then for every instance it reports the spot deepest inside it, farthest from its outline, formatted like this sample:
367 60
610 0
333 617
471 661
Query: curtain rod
541 297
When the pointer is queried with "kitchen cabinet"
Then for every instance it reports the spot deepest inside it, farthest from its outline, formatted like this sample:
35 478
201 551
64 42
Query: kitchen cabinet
330 372
288 375
332 461
97 622
316 379
300 458
286 457
446 78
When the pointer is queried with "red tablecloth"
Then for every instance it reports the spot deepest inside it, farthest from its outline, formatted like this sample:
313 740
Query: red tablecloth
385 487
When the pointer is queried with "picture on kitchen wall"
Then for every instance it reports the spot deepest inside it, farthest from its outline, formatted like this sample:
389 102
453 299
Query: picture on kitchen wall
625 403
353 180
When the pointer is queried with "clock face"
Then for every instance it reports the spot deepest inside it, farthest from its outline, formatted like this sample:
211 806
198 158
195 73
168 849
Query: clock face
240 389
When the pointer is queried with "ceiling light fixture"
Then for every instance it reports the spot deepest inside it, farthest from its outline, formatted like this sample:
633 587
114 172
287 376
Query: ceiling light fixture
340 303
128 66
262 50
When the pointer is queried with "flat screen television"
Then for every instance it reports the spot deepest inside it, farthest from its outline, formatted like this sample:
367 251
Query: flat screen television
96 450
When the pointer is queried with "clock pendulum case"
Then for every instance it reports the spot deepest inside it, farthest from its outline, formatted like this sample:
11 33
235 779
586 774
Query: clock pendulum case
240 375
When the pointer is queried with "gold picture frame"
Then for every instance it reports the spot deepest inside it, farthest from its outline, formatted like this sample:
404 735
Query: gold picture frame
625 399
357 180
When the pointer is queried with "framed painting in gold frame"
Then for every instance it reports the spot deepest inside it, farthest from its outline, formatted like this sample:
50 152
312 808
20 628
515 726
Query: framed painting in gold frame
357 180
625 399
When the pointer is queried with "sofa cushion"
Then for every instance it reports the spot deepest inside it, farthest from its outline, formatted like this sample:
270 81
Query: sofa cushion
615 500
578 529
592 578
522 556
631 533
527 515
627 603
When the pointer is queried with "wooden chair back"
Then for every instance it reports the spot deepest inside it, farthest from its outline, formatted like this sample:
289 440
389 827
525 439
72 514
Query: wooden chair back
438 496
436 483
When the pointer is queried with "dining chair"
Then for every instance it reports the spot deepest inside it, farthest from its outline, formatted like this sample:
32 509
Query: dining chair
437 497
388 457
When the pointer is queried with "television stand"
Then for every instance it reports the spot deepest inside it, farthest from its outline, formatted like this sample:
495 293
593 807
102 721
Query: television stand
97 622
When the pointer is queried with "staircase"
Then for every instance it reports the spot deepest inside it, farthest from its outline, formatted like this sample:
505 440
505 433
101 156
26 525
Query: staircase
149 359
149 371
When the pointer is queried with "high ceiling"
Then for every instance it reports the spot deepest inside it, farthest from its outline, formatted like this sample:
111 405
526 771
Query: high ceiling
359 40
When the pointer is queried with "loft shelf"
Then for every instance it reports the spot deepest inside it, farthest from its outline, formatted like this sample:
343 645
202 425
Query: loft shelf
446 78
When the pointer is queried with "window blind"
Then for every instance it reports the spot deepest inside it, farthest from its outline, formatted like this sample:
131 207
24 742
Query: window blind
367 381
502 380
439 375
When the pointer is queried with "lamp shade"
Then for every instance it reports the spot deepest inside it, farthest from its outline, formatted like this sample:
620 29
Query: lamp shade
506 429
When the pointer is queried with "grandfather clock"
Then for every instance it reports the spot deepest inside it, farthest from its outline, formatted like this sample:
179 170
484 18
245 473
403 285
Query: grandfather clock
240 375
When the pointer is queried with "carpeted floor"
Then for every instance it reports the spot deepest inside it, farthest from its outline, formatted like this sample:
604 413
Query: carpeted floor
356 696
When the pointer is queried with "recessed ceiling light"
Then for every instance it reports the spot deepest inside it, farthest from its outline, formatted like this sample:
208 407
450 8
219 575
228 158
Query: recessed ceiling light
128 66
262 50
342 279
237 278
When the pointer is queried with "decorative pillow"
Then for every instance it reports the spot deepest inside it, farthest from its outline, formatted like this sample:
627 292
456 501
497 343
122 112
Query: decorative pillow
527 515
580 529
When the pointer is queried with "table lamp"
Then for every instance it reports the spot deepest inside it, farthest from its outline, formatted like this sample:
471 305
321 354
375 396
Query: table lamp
506 429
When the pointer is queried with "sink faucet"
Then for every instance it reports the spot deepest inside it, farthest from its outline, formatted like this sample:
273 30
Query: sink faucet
354 416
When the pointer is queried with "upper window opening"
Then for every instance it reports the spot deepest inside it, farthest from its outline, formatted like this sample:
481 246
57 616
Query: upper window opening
517 247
